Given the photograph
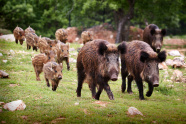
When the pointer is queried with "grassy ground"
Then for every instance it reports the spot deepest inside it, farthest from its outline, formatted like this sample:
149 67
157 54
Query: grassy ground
166 105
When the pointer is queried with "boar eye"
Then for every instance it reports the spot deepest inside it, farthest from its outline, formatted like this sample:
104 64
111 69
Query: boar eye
62 50
148 66
117 59
107 59
55 71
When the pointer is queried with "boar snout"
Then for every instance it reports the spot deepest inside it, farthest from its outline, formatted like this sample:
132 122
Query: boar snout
59 77
114 77
155 83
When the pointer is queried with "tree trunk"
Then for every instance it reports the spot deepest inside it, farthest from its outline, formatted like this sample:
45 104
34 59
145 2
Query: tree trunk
123 18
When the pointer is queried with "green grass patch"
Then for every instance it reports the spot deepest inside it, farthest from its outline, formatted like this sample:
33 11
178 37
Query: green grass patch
166 105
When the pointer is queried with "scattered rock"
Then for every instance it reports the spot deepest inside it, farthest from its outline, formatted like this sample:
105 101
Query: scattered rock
71 60
169 62
3 74
177 75
174 53
1 54
134 111
12 52
15 105
162 66
178 62
8 37
5 61
77 103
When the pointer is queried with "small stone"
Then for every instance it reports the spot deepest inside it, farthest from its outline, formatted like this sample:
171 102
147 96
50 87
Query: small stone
134 111
1 54
5 61
77 103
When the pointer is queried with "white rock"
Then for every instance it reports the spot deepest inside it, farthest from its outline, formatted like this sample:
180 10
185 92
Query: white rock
77 103
5 61
15 105
134 111
174 53
1 54
169 62
177 75
12 52
162 66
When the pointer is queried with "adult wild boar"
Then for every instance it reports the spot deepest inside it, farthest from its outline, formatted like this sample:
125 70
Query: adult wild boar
154 37
19 35
97 63
63 53
142 63
29 30
32 40
39 60
52 72
86 36
61 34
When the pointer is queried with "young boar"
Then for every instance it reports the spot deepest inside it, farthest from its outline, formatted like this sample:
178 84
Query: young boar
52 72
32 40
43 45
63 53
97 63
29 30
19 35
142 63
61 34
154 37
86 36
39 60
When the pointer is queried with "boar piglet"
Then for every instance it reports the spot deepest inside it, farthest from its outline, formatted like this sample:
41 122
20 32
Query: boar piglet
32 40
52 72
39 60
97 63
154 37
142 63
29 30
43 44
86 36
63 53
61 34
19 35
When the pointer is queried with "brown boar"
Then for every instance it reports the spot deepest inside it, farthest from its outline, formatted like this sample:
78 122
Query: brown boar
29 30
43 45
154 37
142 63
86 36
19 35
61 34
52 72
63 53
97 63
32 40
39 60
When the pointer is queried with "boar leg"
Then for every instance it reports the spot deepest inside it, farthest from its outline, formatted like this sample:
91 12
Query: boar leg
100 89
92 87
16 41
124 74
149 93
109 92
54 85
139 83
47 82
67 62
27 47
130 79
21 42
81 78
37 73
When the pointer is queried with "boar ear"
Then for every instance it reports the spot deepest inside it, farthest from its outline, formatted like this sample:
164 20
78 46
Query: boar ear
122 47
144 56
163 32
152 32
102 48
162 56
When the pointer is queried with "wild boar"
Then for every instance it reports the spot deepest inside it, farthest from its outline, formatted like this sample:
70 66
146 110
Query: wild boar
39 60
97 63
43 45
154 37
19 35
142 63
86 36
52 72
29 30
32 40
63 53
61 34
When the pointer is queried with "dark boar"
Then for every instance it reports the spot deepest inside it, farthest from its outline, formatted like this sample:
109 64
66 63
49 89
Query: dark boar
53 72
154 37
39 60
61 34
97 63
19 35
32 40
142 63
29 30
63 53
86 36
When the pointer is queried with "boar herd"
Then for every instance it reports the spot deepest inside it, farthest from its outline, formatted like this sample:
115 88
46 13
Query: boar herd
98 60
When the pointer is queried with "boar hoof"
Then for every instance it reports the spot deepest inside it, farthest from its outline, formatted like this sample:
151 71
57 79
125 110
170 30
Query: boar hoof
111 97
68 68
149 94
38 79
130 92
142 98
